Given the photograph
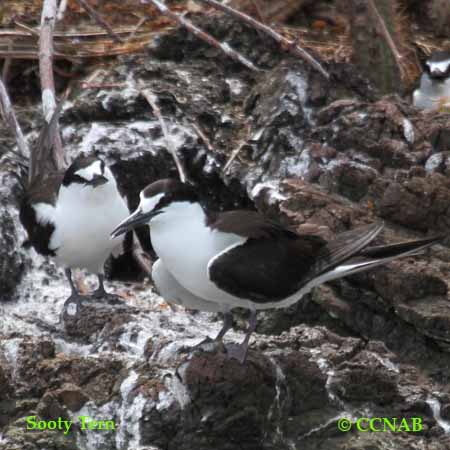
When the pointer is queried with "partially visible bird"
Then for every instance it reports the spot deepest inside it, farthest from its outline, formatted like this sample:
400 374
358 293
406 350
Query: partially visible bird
219 261
434 82
69 213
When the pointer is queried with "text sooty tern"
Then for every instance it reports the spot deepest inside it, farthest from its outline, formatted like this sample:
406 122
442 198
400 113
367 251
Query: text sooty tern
219 261
435 82
69 216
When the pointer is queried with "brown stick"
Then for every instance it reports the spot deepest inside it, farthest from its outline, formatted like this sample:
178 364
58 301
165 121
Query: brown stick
91 11
48 83
236 151
203 136
141 22
224 47
290 46
152 100
141 256
10 118
387 36
24 26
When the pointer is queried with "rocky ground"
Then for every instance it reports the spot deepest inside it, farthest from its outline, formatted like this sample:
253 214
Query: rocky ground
319 155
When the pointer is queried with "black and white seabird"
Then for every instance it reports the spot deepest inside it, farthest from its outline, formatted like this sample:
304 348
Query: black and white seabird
219 261
70 215
434 82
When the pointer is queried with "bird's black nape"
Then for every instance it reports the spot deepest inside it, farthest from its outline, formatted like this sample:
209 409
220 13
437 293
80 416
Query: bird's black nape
172 190
80 162
438 65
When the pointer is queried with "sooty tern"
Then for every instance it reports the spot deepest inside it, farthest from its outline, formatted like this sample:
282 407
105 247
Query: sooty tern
434 82
218 261
69 215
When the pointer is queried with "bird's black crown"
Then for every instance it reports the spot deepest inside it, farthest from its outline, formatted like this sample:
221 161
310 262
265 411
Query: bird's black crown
173 190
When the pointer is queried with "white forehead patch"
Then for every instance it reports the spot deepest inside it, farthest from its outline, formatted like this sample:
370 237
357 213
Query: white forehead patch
438 66
147 204
88 172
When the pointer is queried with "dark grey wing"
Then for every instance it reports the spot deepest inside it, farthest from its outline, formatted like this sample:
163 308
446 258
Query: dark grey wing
43 159
267 270
40 191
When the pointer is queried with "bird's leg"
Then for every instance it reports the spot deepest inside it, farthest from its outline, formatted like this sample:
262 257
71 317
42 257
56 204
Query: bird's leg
72 305
239 352
227 325
100 291
74 292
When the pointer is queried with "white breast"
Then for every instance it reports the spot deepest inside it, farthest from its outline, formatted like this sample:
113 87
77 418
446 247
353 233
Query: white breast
431 92
186 245
84 218
173 292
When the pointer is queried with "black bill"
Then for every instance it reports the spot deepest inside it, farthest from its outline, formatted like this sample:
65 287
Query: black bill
136 219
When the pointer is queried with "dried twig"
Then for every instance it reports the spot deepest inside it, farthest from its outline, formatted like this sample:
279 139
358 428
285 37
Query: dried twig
91 11
203 136
224 47
46 58
141 22
11 119
398 57
236 151
233 156
47 80
25 27
141 256
152 100
290 46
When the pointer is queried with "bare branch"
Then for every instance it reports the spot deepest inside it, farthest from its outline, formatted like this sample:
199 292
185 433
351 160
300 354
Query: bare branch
48 84
91 11
46 58
387 37
152 100
141 22
224 47
203 136
236 151
290 46
141 256
10 118
25 27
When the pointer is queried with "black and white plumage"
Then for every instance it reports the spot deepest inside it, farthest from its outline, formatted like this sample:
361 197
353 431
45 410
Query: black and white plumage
434 82
241 259
70 215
